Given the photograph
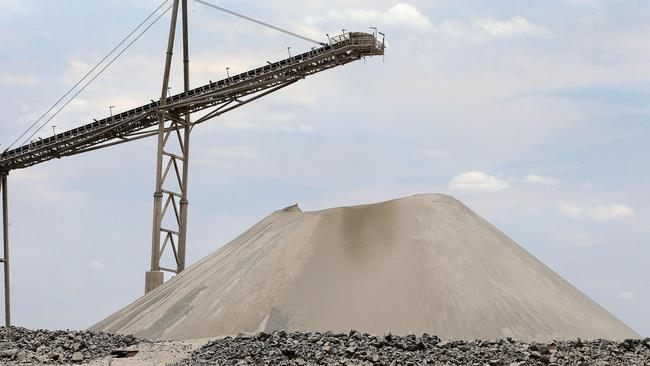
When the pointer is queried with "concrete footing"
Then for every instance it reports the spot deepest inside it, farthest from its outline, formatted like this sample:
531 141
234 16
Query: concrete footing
152 280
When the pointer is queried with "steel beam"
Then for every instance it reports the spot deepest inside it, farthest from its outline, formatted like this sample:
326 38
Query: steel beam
187 129
170 115
154 277
172 167
145 118
5 240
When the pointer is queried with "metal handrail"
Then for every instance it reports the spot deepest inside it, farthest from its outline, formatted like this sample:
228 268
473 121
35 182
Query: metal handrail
252 81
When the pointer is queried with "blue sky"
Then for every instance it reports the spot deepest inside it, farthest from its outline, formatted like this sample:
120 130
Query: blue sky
534 114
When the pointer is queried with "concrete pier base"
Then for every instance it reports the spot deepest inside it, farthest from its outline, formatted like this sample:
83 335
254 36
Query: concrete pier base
152 280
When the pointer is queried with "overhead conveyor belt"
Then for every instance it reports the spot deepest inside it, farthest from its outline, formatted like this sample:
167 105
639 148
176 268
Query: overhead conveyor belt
222 96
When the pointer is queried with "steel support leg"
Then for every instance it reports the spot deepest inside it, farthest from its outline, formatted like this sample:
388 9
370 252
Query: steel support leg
5 239
154 277
182 239
172 167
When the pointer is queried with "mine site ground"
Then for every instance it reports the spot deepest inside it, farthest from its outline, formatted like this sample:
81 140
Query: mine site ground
19 346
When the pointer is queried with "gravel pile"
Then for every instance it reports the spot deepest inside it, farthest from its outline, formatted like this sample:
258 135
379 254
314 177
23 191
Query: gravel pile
283 348
309 265
20 345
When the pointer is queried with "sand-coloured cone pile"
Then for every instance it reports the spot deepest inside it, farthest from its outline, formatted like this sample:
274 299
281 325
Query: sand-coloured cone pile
419 264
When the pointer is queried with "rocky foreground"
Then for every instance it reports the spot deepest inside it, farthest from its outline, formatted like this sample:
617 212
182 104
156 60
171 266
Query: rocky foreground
284 348
19 346
23 346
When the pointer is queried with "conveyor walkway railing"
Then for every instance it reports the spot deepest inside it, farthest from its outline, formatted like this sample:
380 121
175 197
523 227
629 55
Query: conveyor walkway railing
224 95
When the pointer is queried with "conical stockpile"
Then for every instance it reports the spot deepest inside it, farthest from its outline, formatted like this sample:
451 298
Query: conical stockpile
419 264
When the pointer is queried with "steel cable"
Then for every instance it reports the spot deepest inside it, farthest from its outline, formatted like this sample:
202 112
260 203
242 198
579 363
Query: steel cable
84 78
260 22
99 73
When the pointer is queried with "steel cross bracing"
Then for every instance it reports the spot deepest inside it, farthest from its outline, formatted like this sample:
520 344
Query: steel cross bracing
169 119
174 235
220 97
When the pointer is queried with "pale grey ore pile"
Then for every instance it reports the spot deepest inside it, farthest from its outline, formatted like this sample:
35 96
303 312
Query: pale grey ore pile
23 346
425 263
288 348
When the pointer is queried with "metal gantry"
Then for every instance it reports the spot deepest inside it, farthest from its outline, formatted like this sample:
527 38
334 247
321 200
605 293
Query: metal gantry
217 98
169 120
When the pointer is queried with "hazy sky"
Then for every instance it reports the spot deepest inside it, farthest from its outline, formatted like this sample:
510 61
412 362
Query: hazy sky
533 113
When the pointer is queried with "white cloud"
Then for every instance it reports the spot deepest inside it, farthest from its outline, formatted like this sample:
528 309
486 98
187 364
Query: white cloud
540 179
96 264
225 156
517 26
80 105
627 295
577 239
75 71
529 211
237 152
400 15
604 212
19 79
433 152
238 124
406 16
586 3
11 7
305 128
276 122
453 28
476 181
